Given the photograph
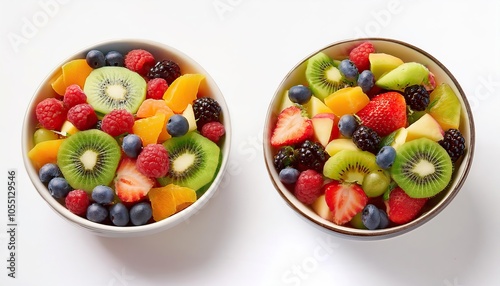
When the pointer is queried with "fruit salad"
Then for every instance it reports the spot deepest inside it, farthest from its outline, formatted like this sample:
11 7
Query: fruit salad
126 138
367 140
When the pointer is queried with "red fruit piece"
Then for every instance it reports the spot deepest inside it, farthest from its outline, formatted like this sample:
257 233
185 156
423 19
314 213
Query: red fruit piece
140 61
359 56
74 95
402 208
153 161
344 200
308 186
51 113
385 113
156 88
213 130
292 127
82 116
117 122
77 202
130 184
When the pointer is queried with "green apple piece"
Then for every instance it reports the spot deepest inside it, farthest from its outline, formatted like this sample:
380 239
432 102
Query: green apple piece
395 139
381 63
188 113
323 124
321 208
427 127
357 221
285 102
316 106
405 75
445 107
337 145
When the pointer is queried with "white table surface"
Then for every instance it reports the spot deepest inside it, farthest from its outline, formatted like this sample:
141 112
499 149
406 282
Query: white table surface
246 235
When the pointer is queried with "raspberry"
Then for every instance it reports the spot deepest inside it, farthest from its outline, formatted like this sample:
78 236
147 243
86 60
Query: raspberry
359 56
454 143
308 186
206 110
156 88
139 60
74 95
213 130
417 97
77 202
285 158
311 155
82 116
166 69
153 161
51 113
366 139
117 122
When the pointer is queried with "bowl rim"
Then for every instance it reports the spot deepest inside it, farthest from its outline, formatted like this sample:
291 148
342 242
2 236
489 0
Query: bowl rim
150 228
378 234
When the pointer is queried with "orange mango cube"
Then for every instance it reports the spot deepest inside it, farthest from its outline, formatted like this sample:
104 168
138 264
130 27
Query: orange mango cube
170 199
44 152
348 100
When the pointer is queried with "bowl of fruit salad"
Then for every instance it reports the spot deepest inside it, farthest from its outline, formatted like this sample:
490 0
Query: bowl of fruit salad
369 138
127 138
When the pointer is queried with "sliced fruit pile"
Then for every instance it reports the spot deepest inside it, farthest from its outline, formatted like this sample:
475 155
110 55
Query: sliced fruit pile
127 139
367 140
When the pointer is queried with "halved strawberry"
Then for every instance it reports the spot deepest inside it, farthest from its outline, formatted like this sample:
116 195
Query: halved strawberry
345 200
385 113
402 208
292 127
130 184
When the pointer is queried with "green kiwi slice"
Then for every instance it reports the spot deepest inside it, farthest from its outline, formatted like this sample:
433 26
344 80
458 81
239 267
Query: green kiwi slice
88 158
323 76
350 166
112 87
193 161
422 168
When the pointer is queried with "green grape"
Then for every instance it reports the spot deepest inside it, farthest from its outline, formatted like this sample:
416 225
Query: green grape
356 221
376 183
43 134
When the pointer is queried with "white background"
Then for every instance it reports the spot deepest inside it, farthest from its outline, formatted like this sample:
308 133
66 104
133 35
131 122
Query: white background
246 235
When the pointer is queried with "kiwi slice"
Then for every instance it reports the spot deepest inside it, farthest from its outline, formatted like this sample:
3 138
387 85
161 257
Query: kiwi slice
323 76
88 158
113 87
350 166
422 168
193 161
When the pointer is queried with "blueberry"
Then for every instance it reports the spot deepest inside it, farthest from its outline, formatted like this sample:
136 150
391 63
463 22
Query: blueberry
177 125
118 214
366 80
95 59
347 125
59 187
385 157
49 171
348 69
97 212
103 195
140 213
384 219
370 216
289 175
132 145
114 58
299 94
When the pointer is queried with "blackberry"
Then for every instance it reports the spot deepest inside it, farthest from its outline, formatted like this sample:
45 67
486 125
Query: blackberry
166 69
366 139
206 110
417 97
284 158
454 143
311 155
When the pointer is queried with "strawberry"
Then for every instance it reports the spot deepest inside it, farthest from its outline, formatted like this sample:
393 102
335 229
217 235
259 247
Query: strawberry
292 127
402 208
385 113
130 184
345 200
359 56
